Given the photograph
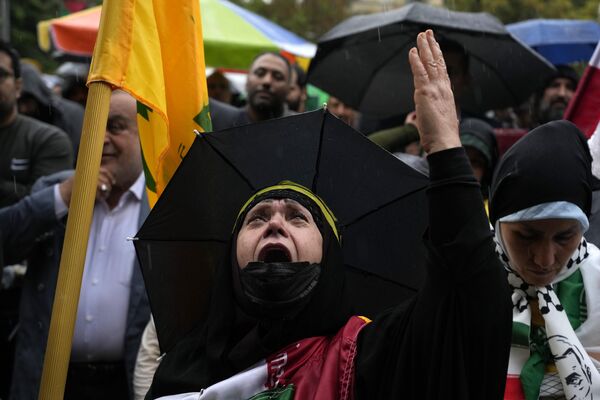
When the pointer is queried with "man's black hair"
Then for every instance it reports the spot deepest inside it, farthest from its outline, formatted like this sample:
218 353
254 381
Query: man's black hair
562 71
300 76
278 55
14 57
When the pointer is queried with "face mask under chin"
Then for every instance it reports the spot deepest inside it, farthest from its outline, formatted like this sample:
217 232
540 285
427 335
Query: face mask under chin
277 290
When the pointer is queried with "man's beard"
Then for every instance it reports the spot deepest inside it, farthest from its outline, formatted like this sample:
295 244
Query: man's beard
552 112
272 109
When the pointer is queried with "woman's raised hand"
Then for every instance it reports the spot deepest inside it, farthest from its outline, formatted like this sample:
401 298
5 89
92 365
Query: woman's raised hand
434 101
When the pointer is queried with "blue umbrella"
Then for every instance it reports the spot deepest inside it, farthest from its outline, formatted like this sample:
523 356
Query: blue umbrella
560 41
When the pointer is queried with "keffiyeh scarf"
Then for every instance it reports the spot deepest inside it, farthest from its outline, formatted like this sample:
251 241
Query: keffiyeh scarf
562 306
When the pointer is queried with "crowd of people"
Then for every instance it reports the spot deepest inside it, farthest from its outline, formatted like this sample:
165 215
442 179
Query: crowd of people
509 309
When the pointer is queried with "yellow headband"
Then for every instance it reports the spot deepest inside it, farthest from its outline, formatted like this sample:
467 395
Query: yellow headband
289 185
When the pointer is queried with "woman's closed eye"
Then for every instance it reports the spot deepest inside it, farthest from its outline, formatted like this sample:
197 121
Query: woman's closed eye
565 237
526 236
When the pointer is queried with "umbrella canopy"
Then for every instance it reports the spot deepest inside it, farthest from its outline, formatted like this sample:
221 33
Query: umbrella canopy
233 36
379 203
364 60
560 41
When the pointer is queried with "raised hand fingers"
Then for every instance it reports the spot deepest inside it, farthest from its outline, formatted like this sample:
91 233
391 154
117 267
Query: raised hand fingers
436 52
428 63
426 53
434 102
420 76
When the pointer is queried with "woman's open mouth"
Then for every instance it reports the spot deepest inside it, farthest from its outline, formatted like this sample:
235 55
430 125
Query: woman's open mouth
274 253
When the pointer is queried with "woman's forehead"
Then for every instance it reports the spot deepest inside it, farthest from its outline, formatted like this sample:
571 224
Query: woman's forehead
287 203
547 225
284 200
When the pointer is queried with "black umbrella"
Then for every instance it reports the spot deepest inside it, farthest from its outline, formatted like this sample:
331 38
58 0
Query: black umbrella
364 60
379 203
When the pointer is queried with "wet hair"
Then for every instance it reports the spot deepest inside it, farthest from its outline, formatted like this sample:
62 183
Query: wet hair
14 57
278 55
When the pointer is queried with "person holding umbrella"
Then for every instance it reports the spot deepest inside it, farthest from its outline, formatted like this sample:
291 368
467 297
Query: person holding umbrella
279 321
540 203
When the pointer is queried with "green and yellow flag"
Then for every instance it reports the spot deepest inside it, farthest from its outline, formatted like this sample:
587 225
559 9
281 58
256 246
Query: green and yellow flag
153 49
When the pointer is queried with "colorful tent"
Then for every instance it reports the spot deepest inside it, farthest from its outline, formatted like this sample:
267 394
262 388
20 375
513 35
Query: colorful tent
233 36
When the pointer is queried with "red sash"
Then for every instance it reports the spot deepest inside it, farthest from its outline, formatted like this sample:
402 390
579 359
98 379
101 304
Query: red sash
323 365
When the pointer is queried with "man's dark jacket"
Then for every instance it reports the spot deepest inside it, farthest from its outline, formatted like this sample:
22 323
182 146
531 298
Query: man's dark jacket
38 295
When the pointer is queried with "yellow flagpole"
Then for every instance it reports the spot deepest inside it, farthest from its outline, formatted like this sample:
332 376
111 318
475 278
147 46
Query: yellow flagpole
66 297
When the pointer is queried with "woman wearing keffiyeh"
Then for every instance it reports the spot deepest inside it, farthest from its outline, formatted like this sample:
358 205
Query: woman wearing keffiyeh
540 203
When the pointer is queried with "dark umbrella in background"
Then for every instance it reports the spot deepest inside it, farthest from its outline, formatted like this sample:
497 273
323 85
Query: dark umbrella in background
364 60
379 203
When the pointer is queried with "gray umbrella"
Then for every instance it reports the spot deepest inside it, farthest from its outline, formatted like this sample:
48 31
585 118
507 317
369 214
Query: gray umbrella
364 60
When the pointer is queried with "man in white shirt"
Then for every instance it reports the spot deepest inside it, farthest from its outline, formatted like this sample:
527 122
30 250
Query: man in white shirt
113 308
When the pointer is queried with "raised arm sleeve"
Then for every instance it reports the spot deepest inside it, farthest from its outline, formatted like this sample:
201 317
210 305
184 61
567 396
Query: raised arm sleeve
395 139
452 340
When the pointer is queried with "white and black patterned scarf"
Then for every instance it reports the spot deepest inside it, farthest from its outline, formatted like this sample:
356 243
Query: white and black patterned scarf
556 343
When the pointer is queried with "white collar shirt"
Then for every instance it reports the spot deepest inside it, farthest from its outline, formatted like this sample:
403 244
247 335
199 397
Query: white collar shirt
104 298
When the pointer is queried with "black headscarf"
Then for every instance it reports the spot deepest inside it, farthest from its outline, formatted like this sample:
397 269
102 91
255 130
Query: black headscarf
550 163
232 339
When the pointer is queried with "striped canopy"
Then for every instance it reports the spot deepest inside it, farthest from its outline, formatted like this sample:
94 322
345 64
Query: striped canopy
233 36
